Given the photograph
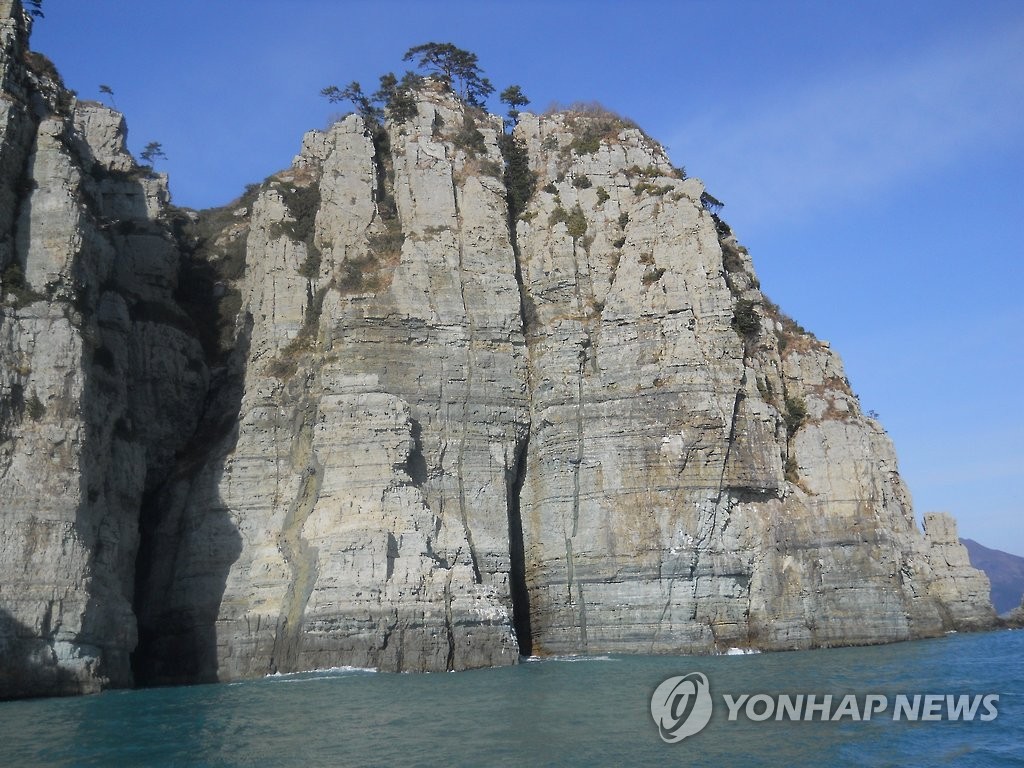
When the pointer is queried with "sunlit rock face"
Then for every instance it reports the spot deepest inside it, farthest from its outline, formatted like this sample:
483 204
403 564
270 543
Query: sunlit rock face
366 416
383 404
699 473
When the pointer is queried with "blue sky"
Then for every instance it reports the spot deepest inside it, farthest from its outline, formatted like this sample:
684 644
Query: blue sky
870 155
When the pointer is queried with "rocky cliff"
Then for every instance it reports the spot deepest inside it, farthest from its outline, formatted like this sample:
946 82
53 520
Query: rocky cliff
101 376
366 415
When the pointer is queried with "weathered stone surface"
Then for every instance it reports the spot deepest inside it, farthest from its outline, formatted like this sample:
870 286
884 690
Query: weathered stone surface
667 506
351 419
97 391
102 132
962 589
383 404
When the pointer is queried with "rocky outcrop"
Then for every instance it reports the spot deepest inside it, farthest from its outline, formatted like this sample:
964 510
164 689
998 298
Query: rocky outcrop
961 587
1005 573
699 473
364 415
101 377
383 404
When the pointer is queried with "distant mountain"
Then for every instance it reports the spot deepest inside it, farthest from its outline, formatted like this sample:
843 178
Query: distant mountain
1005 571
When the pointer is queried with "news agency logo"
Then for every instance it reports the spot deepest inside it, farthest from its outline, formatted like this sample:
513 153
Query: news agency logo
681 707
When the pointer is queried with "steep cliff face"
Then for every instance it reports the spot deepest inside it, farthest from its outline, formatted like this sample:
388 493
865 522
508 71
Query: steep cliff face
382 406
100 377
361 417
699 473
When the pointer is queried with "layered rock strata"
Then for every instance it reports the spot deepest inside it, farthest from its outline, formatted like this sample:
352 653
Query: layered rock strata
699 474
383 403
364 416
101 377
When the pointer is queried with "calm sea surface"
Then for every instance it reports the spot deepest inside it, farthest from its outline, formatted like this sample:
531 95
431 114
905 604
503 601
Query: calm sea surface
579 712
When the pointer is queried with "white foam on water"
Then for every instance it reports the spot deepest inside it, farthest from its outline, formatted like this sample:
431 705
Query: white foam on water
317 674
568 657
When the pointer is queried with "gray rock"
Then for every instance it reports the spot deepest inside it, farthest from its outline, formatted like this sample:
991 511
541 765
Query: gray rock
350 419
667 507
99 387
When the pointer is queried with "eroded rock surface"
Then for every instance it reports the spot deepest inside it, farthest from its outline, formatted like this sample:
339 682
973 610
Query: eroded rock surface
700 474
360 417
383 405
101 380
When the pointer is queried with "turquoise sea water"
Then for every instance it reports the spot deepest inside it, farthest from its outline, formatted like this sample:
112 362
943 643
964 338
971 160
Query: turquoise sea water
581 712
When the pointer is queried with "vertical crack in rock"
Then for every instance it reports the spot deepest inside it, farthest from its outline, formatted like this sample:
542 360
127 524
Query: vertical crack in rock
448 621
392 554
519 590
577 464
298 553
518 587
416 466
383 171
468 398
585 349
729 444
708 530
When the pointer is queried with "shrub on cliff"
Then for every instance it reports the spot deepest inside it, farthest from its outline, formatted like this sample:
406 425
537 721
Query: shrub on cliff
34 407
745 320
15 289
302 204
796 413
574 220
397 95
520 181
469 137
591 123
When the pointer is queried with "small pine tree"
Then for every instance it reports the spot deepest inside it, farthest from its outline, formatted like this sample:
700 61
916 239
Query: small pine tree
106 90
514 97
353 92
455 67
152 151
397 95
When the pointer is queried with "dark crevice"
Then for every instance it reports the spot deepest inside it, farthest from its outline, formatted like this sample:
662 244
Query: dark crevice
518 586
520 181
392 556
177 644
707 531
384 172
520 184
448 624
463 513
300 555
416 464
730 443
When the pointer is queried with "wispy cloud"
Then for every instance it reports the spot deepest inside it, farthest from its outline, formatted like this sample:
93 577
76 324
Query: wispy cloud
842 136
